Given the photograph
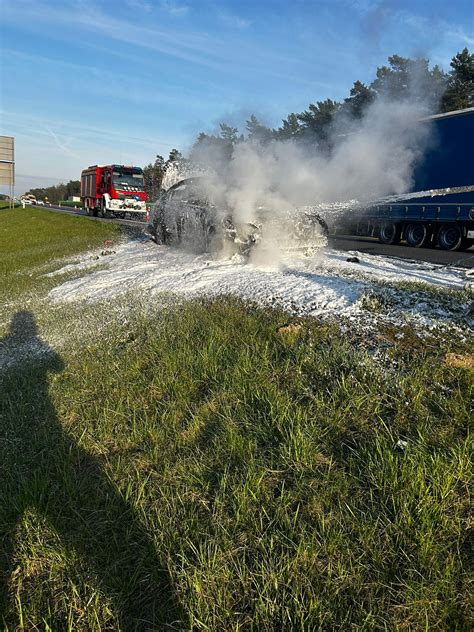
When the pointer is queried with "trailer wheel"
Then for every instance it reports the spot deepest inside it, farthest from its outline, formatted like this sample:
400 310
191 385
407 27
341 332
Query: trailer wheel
417 235
450 237
389 233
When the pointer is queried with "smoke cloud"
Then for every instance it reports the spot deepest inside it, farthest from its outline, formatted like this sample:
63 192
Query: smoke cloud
375 159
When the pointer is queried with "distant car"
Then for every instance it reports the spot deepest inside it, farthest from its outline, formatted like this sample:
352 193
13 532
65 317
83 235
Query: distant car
39 203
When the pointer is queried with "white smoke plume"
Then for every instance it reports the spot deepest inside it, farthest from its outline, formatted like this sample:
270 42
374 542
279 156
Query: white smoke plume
376 159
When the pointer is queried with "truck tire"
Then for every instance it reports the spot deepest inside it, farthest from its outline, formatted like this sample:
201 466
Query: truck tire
389 233
417 235
103 209
450 237
89 208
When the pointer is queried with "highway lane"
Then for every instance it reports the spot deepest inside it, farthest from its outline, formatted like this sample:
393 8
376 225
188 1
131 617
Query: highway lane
82 212
367 245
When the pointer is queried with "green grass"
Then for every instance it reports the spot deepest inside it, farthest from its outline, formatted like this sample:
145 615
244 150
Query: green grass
31 239
197 467
5 204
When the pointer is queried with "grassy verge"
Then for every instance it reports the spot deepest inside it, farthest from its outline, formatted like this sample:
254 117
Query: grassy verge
211 466
5 204
32 239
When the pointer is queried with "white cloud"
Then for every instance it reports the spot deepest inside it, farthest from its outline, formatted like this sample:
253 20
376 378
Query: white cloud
195 47
174 8
141 5
29 126
458 33
215 52
234 21
62 145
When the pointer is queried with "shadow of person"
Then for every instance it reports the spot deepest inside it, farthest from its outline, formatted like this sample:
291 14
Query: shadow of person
43 469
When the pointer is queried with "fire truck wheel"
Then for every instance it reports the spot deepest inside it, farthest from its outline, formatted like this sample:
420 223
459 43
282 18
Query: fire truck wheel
103 209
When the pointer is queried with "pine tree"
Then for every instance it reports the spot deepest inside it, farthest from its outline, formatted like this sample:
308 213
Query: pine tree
228 133
460 91
73 189
257 132
316 120
175 155
393 80
290 129
412 79
436 86
213 151
153 176
361 96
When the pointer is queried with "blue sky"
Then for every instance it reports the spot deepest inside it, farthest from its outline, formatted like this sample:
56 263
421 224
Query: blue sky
101 81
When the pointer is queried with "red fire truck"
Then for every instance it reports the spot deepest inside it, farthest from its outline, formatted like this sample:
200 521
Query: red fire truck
113 190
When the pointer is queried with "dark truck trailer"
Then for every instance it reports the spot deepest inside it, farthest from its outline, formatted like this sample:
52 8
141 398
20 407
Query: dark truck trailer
440 210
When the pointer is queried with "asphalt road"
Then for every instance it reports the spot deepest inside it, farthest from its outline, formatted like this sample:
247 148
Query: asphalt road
81 211
366 245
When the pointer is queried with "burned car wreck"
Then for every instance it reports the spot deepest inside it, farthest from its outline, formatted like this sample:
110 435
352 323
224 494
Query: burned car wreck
186 215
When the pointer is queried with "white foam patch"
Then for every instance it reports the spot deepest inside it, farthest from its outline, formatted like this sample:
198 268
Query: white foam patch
325 284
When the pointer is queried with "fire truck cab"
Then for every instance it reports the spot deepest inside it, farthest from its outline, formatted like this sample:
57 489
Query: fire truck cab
113 190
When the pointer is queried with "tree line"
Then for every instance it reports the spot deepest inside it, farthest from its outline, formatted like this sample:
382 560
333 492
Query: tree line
402 78
58 192
154 173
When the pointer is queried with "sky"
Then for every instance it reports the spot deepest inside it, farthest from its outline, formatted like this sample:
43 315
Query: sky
99 81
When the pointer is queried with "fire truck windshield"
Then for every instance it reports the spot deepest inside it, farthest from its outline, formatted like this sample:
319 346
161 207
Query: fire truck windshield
128 181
